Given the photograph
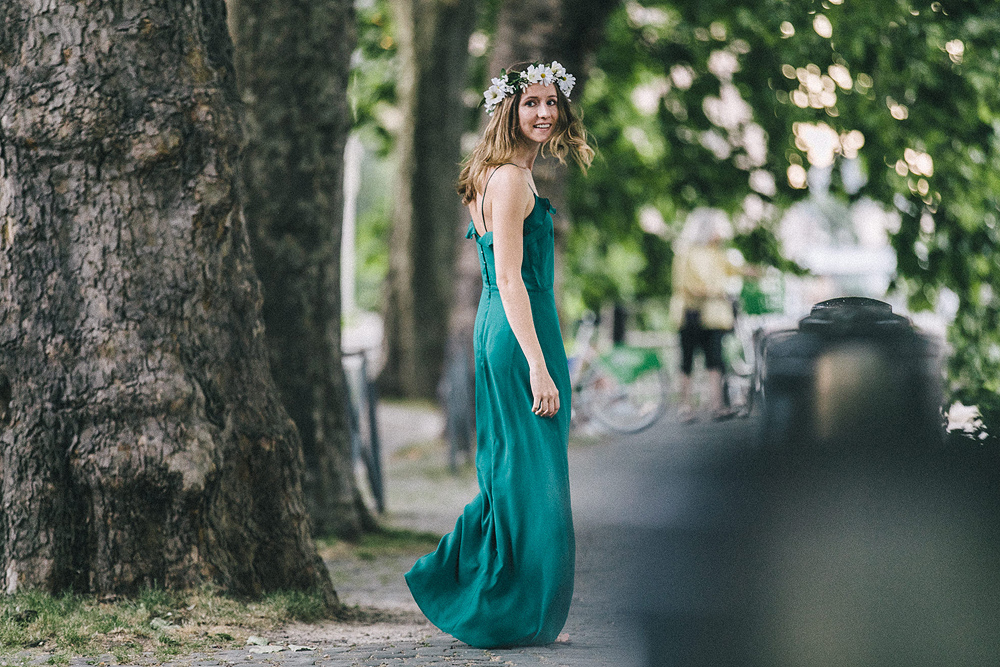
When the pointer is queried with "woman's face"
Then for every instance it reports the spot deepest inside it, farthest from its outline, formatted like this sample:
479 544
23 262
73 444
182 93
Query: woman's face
538 112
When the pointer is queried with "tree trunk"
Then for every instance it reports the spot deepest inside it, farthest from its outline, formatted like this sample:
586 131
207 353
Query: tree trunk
527 31
399 375
433 39
144 443
292 61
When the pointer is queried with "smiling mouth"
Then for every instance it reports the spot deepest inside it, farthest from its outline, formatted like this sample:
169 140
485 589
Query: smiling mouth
543 126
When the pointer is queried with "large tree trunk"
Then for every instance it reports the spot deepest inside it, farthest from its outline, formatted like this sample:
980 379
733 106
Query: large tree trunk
143 440
433 39
292 61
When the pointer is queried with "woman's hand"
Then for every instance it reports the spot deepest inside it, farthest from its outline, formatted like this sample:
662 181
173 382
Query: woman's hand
543 389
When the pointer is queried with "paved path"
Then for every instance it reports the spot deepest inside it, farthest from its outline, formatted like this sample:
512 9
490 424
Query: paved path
661 517
620 486
695 547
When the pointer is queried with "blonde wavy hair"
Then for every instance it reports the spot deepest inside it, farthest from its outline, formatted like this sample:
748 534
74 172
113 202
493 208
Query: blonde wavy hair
503 138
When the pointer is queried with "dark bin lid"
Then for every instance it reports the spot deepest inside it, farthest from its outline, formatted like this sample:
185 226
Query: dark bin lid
854 315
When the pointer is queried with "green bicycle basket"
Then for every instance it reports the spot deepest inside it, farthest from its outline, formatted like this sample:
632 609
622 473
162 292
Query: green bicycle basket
756 299
627 364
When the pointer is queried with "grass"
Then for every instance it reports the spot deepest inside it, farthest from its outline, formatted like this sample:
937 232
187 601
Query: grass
383 542
153 627
425 404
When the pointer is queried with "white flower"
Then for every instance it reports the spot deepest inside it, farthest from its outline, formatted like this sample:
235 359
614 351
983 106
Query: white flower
533 74
546 78
493 96
558 71
502 85
566 83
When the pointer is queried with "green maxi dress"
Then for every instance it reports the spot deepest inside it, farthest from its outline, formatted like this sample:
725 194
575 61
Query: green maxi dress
504 576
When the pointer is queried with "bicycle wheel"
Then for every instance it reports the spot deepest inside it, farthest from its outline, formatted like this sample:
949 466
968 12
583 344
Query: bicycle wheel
624 404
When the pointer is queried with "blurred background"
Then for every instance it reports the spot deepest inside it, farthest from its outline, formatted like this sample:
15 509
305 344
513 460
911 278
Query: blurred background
850 148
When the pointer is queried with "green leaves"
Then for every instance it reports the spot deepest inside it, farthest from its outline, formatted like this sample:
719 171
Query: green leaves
372 87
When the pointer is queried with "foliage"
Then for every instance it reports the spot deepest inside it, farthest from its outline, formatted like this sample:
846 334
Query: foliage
709 104
372 92
373 223
372 89
922 82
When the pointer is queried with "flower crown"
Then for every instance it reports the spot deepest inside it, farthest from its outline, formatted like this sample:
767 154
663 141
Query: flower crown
509 82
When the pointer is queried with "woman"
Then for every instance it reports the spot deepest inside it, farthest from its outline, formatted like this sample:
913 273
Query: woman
504 576
700 306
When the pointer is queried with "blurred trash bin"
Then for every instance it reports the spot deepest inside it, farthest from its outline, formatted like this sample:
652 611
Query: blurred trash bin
874 540
852 372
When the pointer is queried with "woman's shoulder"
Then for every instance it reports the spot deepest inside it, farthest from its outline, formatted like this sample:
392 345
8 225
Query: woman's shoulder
507 173
508 180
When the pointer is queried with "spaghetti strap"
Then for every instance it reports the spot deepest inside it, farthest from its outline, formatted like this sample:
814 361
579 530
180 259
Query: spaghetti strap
482 205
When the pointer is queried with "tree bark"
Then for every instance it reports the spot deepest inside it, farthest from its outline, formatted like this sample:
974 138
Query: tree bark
292 62
143 441
433 39
527 31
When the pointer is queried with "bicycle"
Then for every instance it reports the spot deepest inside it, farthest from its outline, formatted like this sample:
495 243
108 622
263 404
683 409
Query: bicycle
362 401
625 388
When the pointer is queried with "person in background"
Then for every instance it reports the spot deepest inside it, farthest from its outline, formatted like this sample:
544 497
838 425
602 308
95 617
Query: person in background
700 306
